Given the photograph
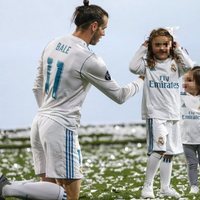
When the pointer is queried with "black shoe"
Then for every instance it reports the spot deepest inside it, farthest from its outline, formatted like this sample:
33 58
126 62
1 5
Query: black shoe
3 181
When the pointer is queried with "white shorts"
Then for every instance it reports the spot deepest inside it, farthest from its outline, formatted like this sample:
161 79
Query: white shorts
56 150
164 135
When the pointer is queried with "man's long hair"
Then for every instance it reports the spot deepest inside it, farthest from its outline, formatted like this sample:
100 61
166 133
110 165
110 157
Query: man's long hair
86 14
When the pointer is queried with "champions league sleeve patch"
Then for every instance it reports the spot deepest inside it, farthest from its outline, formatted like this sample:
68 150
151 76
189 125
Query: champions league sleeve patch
107 76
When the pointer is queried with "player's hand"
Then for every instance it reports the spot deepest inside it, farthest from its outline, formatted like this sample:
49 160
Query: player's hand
142 77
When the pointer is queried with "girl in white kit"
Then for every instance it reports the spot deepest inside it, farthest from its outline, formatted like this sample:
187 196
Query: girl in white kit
162 61
190 125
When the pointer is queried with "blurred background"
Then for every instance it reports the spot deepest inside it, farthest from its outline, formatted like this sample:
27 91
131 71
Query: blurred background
27 26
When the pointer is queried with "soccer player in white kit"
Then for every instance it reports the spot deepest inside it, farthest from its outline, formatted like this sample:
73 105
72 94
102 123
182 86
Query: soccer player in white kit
66 71
162 62
190 125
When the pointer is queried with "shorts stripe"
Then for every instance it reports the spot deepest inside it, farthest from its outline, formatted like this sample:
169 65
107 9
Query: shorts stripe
69 154
79 156
150 135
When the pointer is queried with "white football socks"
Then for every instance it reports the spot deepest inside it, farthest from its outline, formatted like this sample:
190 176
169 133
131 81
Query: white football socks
165 172
34 190
153 164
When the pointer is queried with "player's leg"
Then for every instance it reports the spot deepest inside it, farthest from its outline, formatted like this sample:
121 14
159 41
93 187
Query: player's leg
39 190
72 188
173 147
165 177
153 164
63 157
36 190
31 190
156 148
166 171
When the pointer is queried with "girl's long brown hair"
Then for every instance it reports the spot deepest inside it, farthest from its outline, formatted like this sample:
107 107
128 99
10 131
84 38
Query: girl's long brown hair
155 33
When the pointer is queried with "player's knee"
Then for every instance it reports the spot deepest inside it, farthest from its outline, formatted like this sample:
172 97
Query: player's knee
71 187
71 194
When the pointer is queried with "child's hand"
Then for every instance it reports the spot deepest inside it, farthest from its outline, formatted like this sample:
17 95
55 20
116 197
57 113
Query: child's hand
146 43
176 45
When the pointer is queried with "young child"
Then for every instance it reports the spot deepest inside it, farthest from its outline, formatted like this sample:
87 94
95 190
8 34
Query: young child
190 125
162 61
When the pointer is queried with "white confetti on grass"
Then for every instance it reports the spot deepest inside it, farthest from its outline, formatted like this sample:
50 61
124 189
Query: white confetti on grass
111 172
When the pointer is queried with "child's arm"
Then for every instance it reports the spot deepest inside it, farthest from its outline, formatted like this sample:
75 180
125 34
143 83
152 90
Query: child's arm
182 59
137 64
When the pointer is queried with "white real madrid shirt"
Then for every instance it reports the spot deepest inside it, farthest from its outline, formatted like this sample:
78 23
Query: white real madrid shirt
190 119
66 71
161 95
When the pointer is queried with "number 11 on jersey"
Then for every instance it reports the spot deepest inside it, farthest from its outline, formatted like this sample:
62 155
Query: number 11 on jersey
59 70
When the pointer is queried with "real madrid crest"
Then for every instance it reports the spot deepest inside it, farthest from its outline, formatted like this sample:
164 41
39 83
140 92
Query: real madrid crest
173 68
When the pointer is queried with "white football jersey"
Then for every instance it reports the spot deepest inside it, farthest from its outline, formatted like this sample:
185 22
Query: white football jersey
161 92
190 119
66 71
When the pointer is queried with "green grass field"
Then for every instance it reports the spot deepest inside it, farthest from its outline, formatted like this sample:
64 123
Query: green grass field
112 172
